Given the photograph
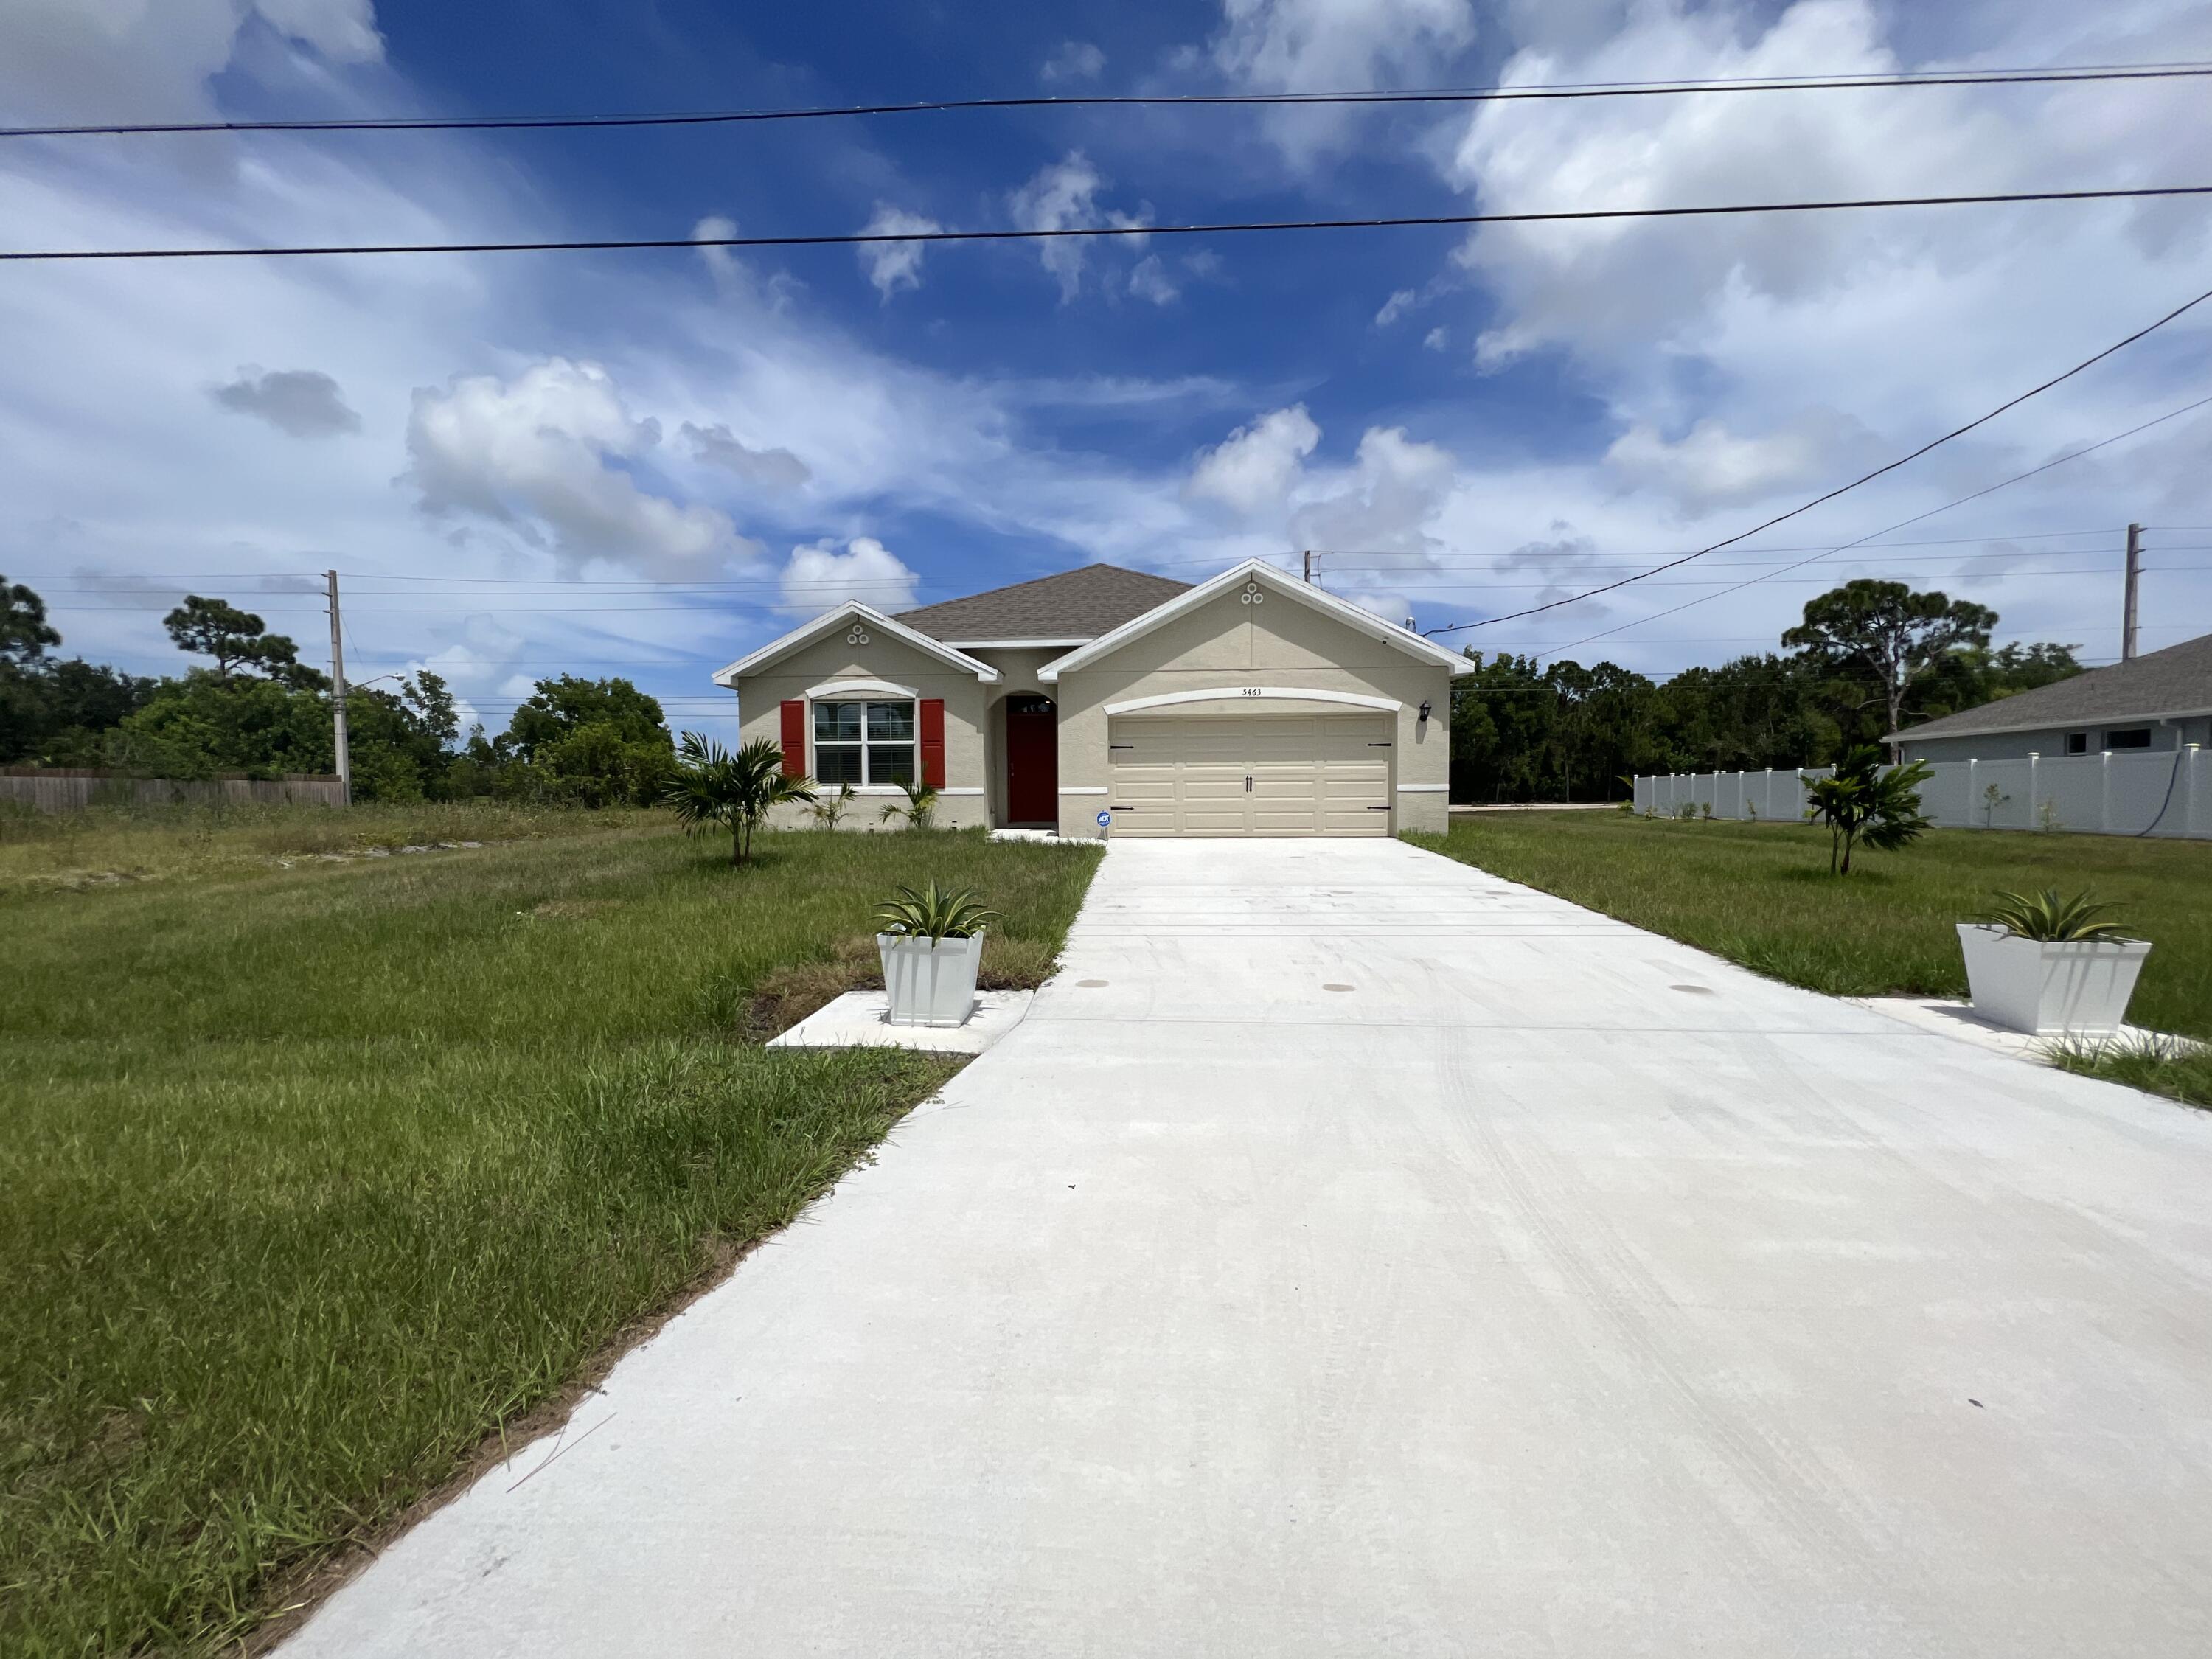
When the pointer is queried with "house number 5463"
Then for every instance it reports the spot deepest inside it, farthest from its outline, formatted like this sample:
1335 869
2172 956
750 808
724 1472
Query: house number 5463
1253 691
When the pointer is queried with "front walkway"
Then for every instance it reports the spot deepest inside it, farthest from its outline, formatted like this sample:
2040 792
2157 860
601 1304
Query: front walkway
1354 1254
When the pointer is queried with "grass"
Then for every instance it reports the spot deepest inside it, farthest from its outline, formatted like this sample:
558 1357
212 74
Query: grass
1760 895
2158 1068
315 1177
109 846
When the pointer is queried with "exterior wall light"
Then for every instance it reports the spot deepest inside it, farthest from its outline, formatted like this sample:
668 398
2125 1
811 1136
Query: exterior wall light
1425 711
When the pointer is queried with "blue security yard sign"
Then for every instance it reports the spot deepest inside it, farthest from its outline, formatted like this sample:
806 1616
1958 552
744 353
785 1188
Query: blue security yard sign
1105 820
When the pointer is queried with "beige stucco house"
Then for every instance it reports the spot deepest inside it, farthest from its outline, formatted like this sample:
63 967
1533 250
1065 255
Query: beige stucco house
1254 704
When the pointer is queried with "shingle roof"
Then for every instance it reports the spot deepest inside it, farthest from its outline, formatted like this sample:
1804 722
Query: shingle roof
2175 681
1076 604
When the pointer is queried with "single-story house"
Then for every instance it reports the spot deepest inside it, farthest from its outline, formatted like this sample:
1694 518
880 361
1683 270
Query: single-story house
1254 704
2159 701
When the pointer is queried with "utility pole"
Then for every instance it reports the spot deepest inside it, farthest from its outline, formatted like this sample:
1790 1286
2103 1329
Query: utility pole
1310 567
2128 602
339 693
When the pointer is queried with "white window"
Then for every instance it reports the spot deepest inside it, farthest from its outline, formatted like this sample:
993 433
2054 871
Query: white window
864 743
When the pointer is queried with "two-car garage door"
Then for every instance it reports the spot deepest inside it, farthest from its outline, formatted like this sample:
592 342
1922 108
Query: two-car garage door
1254 775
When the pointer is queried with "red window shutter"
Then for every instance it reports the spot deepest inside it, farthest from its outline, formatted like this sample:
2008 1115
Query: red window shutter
932 742
794 739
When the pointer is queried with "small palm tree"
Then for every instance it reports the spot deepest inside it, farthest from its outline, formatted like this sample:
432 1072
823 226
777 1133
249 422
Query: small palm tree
712 789
921 808
1866 804
829 809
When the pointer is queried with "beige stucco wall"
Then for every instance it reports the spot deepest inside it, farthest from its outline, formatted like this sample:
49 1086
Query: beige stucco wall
1278 643
1017 670
967 701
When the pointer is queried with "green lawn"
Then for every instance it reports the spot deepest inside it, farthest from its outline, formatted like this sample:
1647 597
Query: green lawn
316 1175
1761 895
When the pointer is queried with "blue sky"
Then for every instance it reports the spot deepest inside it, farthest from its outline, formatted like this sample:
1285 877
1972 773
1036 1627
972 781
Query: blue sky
649 463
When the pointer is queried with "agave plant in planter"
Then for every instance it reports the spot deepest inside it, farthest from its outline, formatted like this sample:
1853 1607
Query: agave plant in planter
932 945
2051 965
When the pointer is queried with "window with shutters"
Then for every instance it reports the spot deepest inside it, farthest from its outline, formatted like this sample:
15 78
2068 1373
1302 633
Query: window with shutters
863 743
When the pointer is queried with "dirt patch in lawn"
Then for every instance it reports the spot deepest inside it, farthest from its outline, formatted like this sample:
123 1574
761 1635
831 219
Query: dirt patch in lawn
789 994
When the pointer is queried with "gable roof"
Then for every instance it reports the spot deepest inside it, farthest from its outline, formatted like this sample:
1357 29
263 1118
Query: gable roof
1073 605
1266 574
829 621
2166 683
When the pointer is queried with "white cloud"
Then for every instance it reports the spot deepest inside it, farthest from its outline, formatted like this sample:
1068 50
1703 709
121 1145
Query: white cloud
1330 46
539 453
306 402
1611 290
1060 195
1436 339
1149 279
730 272
717 445
894 265
1334 45
1710 467
343 31
1076 60
130 60
1400 302
1254 468
818 578
1385 501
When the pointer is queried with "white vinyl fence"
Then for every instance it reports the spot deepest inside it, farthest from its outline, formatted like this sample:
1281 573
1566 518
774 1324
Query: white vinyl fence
2165 793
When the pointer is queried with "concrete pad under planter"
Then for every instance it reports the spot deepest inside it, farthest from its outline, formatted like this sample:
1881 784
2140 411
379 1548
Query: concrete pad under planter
856 1020
1959 1020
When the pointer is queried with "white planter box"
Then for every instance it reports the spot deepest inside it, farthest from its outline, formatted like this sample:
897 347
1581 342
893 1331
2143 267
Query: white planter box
2051 987
930 981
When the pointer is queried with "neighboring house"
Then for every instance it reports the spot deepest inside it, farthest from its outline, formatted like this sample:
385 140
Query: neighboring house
2161 701
1254 704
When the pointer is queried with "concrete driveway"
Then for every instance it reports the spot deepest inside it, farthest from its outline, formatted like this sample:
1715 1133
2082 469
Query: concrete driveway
1355 1254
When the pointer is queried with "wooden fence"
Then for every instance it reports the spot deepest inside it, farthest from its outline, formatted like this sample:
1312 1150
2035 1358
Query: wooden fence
71 789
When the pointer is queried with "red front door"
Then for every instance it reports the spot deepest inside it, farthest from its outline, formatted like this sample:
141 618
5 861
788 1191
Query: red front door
1032 761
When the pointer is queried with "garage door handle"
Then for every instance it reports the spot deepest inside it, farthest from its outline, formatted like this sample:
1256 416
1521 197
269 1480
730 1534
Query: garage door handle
1247 783
1378 809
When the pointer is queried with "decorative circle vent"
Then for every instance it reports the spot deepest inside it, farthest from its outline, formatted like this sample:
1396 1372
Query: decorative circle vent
858 636
1252 593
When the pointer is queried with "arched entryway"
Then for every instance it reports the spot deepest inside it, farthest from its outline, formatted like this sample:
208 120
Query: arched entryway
1032 760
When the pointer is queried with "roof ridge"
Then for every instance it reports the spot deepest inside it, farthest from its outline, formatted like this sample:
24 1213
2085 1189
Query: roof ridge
1050 576
2178 676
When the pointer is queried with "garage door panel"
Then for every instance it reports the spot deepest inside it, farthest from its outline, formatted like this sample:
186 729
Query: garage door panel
1264 774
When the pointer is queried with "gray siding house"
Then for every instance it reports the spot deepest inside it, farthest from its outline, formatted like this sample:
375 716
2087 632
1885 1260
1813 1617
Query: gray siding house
2161 702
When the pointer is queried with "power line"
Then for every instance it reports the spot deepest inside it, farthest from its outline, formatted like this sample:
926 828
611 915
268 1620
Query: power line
1865 478
168 582
1491 94
2002 483
863 237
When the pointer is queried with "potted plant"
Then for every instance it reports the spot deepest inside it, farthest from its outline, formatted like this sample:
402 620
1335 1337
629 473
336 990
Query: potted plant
932 945
2051 966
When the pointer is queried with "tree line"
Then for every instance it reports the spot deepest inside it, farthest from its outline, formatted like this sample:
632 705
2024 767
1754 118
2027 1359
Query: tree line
260 711
1868 657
